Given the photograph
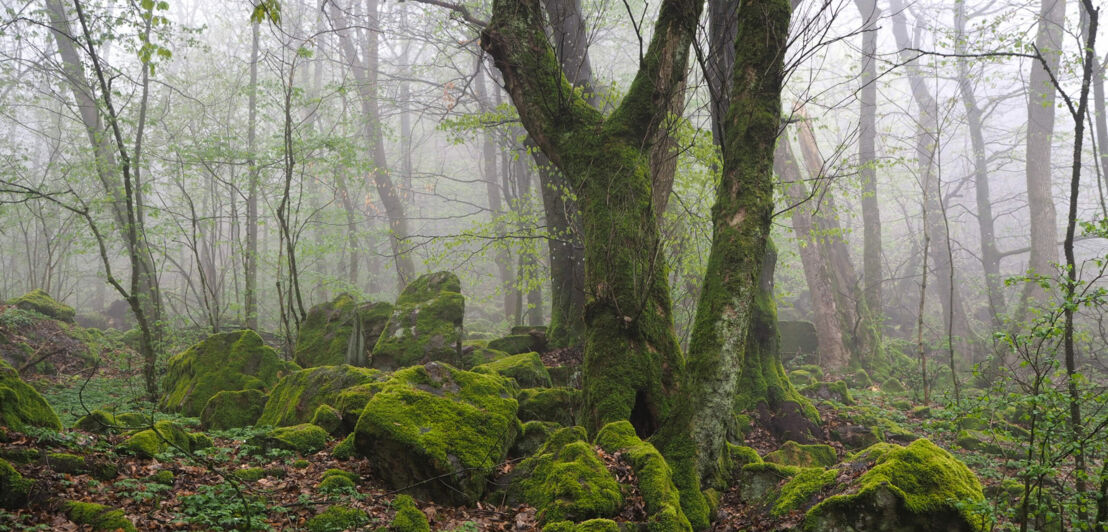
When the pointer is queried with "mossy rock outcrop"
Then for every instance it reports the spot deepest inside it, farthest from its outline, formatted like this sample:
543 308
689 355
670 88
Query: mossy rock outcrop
232 409
340 331
408 517
436 421
532 436
566 480
425 325
795 454
798 338
655 478
592 525
304 438
39 301
526 369
98 517
14 489
560 405
515 344
475 355
829 391
907 488
338 518
102 422
152 442
21 406
295 398
223 362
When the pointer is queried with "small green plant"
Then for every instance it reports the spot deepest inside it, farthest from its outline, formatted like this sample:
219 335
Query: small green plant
220 507
139 491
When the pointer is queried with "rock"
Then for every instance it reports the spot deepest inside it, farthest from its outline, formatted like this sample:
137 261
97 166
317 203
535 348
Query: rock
859 379
304 438
531 438
829 391
21 406
801 378
41 302
14 489
742 455
345 449
801 490
798 339
338 518
854 436
515 344
101 422
327 418
759 482
984 442
655 479
232 409
474 355
526 369
892 385
70 464
152 442
408 518
295 398
566 480
98 516
908 488
228 361
560 405
794 454
326 337
567 376
436 421
425 325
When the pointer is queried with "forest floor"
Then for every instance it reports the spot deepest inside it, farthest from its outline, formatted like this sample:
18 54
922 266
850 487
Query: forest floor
205 492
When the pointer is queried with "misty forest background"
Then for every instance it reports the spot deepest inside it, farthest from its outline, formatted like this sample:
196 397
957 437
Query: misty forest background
940 189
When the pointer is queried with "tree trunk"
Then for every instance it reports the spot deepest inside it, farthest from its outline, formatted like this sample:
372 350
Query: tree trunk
867 160
490 160
250 276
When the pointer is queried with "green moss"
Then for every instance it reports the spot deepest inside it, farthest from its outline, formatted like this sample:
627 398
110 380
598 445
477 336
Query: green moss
304 438
230 409
660 495
199 440
559 405
532 436
829 391
98 516
425 325
859 379
759 482
516 344
20 455
325 337
567 376
566 480
163 476
922 412
801 378
41 302
984 442
480 355
795 454
742 455
337 519
333 472
892 385
152 442
229 361
592 525
67 463
801 488
295 398
327 418
345 449
435 421
101 422
526 369
14 489
925 483
408 518
335 484
21 406
250 474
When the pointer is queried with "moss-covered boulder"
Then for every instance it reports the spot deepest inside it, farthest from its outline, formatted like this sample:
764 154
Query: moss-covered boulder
14 489
344 450
802 489
39 301
526 369
475 355
829 391
228 361
338 518
304 438
102 422
98 516
532 436
566 480
425 325
295 398
408 517
907 488
560 405
436 421
759 482
21 406
795 454
798 338
515 344
655 479
592 525
70 464
801 378
327 418
232 409
159 439
340 331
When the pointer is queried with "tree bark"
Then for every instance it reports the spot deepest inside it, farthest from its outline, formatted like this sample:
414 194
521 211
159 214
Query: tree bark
490 161
867 160
250 276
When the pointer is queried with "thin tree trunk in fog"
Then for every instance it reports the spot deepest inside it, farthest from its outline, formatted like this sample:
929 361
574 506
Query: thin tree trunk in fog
990 258
867 160
365 73
1040 129
404 94
490 159
833 354
528 261
1101 130
250 276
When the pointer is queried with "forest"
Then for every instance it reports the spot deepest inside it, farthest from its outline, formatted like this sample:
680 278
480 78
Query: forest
559 265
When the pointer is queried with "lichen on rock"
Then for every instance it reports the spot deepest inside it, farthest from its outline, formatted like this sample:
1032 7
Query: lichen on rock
425 325
326 338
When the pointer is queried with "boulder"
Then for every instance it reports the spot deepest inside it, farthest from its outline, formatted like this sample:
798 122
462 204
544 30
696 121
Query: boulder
560 405
304 438
425 325
337 518
21 406
295 398
795 454
98 517
227 361
101 422
232 409
526 369
408 517
152 442
436 421
798 338
566 480
829 391
41 302
14 489
327 338
515 344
